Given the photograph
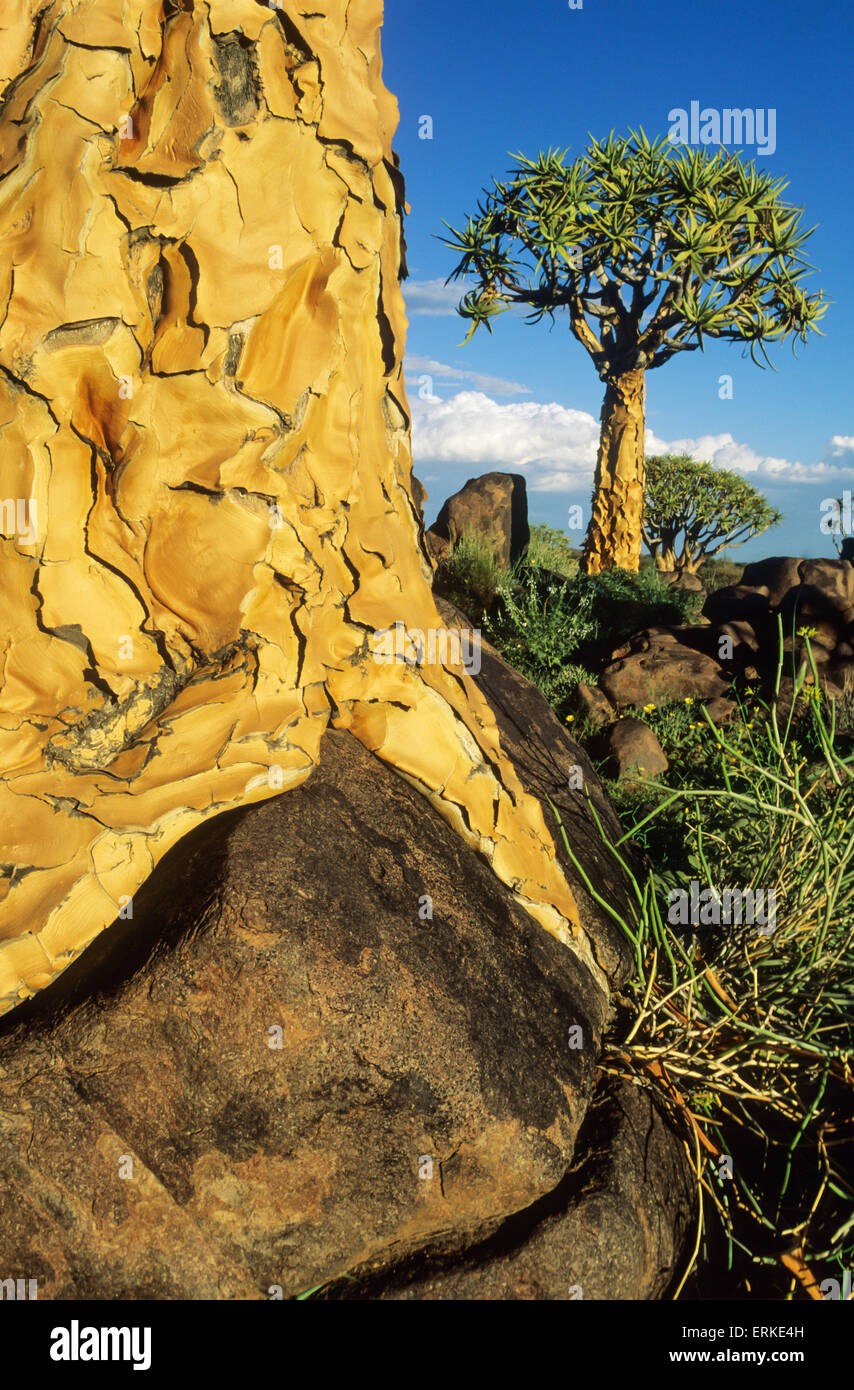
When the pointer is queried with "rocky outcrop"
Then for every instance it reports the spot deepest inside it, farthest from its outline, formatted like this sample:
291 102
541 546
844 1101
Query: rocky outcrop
494 507
812 599
329 1042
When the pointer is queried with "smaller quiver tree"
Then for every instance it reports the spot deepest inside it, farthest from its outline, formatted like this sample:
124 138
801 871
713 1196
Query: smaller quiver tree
693 510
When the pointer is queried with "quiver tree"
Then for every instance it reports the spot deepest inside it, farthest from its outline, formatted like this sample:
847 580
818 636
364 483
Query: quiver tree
693 510
204 427
651 248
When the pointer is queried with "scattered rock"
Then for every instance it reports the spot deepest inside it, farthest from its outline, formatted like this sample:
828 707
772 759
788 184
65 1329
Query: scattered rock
494 506
661 668
812 598
595 705
720 710
633 748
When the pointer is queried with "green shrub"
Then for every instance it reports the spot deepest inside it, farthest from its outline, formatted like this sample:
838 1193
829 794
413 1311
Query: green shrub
539 626
552 550
470 575
625 602
556 632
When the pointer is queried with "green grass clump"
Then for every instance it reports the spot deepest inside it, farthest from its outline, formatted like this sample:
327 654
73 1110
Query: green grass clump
470 575
552 550
719 574
540 625
749 1038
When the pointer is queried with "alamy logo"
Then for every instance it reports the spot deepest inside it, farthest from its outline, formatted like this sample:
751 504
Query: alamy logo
445 646
837 515
19 1289
728 126
76 1343
18 517
709 907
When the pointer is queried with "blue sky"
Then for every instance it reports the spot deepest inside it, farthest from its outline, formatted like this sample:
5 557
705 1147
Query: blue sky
497 78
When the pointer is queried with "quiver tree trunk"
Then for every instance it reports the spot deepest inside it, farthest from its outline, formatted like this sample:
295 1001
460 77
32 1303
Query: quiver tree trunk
668 561
663 552
614 533
203 416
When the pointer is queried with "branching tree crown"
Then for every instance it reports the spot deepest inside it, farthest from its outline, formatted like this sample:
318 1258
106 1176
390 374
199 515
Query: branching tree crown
700 508
650 246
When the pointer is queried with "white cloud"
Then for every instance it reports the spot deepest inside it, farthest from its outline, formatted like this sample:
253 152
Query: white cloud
724 452
558 445
432 297
555 447
456 376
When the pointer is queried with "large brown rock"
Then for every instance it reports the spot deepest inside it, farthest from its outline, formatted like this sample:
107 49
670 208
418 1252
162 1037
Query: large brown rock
634 749
660 666
493 506
832 578
319 997
773 577
255 1165
583 1241
739 603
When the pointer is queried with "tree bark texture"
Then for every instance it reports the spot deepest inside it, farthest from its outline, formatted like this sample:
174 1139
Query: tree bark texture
614 534
205 466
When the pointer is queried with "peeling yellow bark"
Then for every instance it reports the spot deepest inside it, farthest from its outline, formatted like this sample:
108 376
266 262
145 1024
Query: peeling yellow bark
614 535
202 404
